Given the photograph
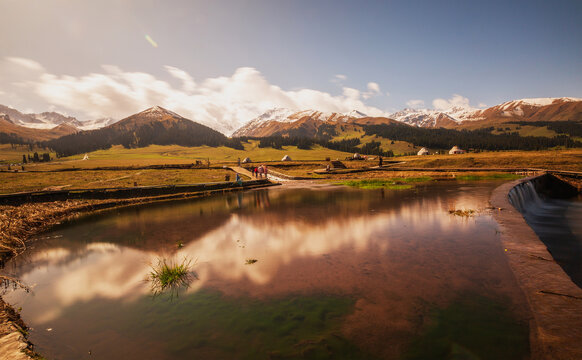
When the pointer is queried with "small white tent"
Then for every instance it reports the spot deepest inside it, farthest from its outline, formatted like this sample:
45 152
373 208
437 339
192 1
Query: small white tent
456 150
246 160
286 158
423 151
357 156
86 157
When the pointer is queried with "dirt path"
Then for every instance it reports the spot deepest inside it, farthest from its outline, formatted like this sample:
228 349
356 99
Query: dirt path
115 179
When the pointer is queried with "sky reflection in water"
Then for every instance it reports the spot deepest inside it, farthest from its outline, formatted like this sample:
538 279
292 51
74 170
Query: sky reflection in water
396 253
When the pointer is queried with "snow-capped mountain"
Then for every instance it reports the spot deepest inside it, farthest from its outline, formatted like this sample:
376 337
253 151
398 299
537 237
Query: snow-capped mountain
268 121
523 109
97 123
48 120
51 119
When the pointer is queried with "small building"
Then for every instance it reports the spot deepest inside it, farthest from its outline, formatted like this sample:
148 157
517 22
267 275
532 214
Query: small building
423 151
357 156
246 160
456 150
286 158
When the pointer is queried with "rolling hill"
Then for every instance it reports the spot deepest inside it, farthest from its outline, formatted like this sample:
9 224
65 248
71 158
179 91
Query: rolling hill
155 125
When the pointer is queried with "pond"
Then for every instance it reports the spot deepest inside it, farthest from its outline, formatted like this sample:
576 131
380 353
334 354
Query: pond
339 273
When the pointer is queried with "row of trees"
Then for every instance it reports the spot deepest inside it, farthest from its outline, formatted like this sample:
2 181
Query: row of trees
184 133
44 157
470 139
346 145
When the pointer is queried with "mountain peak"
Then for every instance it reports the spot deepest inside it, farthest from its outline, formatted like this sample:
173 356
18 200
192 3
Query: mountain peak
157 111
356 114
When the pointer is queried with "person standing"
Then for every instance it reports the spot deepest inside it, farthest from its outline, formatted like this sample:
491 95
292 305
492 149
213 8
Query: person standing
260 171
380 161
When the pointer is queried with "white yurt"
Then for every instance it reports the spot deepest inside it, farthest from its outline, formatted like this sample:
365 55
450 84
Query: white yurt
286 158
456 150
422 151
246 160
357 156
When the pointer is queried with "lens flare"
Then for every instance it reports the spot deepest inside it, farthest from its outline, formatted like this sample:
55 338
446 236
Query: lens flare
151 41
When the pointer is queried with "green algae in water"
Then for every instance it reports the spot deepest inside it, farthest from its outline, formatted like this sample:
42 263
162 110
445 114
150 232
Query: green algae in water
392 184
209 324
474 327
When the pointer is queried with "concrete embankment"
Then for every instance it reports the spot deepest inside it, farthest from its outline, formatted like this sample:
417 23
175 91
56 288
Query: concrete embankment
555 301
126 192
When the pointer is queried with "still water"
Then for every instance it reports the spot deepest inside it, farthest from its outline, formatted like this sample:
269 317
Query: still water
340 273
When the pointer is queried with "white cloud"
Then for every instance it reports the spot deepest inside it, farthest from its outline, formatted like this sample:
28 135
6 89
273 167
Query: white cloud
188 82
373 90
482 105
456 101
415 103
340 77
373 87
26 63
223 103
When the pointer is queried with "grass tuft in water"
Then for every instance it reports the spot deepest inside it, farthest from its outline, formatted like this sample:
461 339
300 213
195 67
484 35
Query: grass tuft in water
463 213
168 275
250 261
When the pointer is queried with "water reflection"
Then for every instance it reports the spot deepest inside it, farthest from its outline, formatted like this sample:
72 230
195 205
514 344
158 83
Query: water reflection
396 253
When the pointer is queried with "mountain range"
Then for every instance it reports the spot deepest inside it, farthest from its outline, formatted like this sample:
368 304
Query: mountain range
281 121
284 121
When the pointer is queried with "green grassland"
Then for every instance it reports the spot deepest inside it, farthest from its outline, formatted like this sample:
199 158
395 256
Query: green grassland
173 154
525 130
13 154
304 164
398 147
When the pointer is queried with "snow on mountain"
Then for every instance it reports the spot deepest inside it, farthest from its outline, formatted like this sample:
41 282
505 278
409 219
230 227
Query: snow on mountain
514 108
157 111
283 115
97 123
48 120
430 117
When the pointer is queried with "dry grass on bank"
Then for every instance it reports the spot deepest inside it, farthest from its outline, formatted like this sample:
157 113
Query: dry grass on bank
96 179
570 160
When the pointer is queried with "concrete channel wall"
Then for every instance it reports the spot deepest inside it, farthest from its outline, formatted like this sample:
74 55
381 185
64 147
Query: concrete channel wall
122 193
554 300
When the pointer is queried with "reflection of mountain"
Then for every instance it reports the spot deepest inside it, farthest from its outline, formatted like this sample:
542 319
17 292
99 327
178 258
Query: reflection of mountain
396 256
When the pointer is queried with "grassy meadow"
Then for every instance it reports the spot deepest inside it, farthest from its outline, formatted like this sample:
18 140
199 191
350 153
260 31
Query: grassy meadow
42 176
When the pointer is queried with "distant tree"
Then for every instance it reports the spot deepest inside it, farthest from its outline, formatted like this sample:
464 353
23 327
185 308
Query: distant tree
24 159
46 157
35 157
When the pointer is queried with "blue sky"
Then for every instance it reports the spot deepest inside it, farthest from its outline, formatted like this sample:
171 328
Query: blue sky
486 52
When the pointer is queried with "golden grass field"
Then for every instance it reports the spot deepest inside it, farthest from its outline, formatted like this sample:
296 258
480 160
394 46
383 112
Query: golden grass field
42 176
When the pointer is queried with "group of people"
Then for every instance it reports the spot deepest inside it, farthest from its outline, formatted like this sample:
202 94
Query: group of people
259 171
